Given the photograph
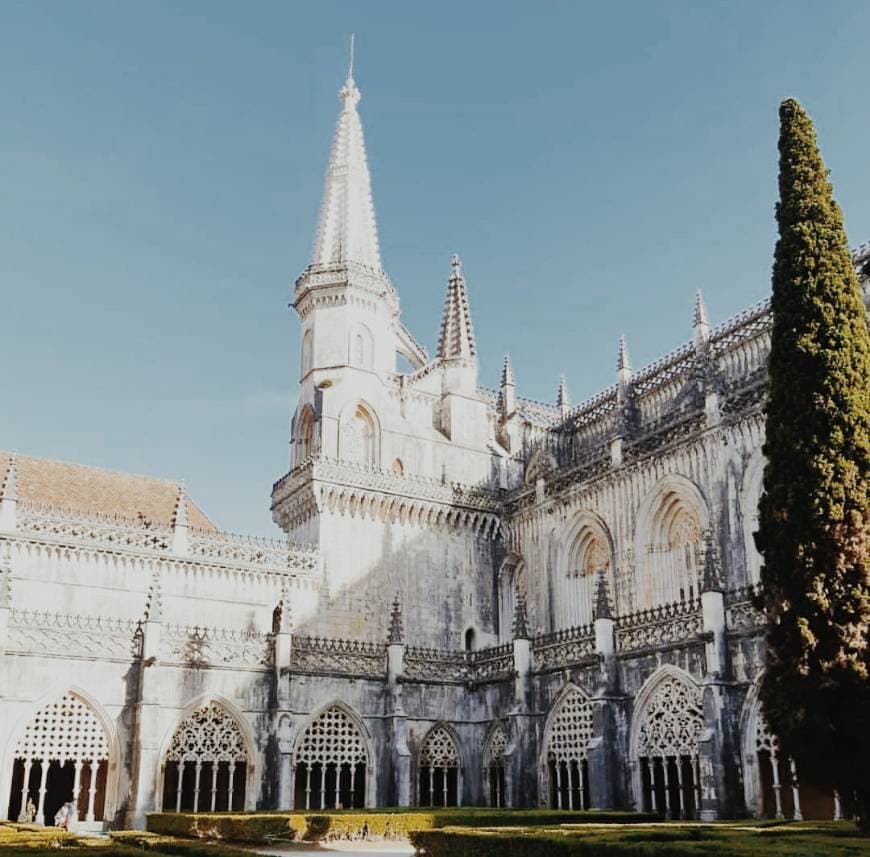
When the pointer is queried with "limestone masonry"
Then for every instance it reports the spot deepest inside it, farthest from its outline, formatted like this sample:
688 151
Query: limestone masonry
478 599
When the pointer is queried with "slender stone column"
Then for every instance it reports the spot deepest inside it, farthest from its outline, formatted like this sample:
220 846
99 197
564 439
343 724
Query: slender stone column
92 789
399 786
25 791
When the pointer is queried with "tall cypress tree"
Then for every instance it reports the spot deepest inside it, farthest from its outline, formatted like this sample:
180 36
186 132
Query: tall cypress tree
814 529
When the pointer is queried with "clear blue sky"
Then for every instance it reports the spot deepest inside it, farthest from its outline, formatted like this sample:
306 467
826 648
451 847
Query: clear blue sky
161 166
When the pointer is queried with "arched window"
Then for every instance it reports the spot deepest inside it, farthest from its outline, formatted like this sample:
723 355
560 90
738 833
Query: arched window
358 438
512 583
589 556
307 352
330 761
62 756
673 553
360 347
306 435
439 783
398 468
566 743
206 763
470 640
668 729
493 766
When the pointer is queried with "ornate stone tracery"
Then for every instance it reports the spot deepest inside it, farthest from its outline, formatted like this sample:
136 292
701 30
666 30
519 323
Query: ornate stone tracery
331 760
211 742
668 730
439 767
62 732
566 742
494 767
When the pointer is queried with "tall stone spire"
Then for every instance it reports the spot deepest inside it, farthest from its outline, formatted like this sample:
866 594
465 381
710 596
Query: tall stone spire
346 231
457 334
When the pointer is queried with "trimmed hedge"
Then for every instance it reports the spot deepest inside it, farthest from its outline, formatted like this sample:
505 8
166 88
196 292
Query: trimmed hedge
671 840
368 824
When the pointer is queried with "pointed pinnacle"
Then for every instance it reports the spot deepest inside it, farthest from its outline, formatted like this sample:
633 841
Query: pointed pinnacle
700 316
507 373
456 267
521 620
623 363
181 506
602 608
396 634
10 487
562 398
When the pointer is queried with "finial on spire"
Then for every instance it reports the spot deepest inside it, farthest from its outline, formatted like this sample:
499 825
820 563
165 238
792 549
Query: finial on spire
397 633
349 93
10 486
602 608
712 576
457 333
521 620
181 506
507 373
350 64
700 322
623 363
563 401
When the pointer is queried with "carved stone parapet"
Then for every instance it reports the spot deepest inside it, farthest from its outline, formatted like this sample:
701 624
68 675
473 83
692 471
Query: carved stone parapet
201 648
679 622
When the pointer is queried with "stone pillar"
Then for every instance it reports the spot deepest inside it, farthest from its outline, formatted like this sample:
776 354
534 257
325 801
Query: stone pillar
713 611
399 791
282 627
603 753
522 655
719 747
146 732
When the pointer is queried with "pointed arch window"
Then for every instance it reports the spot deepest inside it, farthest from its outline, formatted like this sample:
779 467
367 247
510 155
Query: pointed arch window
494 766
330 763
567 741
589 557
668 732
359 438
439 770
206 765
673 553
62 756
305 448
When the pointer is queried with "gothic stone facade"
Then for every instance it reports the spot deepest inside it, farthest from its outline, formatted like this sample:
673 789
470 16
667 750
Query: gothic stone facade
478 599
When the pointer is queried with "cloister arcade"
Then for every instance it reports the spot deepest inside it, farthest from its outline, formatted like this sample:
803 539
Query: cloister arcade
566 741
439 777
207 763
331 762
62 755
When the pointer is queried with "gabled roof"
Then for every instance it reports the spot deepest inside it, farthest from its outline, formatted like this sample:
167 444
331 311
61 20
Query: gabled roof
346 229
93 491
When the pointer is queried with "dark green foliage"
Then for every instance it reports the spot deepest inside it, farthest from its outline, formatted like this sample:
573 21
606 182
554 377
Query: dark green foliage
813 513
686 840
383 823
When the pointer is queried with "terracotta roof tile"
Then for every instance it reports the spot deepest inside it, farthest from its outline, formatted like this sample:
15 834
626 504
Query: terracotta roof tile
94 491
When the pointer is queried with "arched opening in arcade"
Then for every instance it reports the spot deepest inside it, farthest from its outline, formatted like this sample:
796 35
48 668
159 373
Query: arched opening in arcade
566 741
667 732
439 770
62 757
494 767
331 763
207 763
